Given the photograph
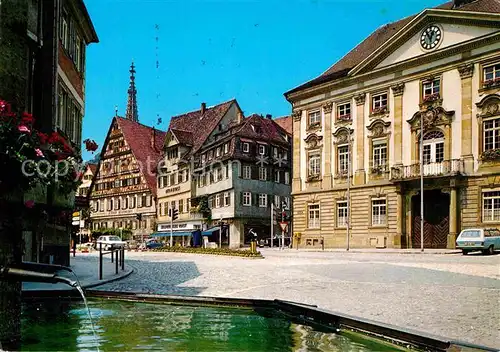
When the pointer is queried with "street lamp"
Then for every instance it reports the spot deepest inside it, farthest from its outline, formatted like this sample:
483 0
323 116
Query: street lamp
422 181
348 188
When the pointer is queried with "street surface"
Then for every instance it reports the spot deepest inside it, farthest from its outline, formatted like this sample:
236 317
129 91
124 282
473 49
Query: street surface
449 295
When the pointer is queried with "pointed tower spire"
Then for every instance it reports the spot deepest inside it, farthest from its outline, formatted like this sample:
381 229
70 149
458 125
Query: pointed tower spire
132 113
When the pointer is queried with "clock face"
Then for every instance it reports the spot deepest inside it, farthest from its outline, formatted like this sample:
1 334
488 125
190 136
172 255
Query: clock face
431 37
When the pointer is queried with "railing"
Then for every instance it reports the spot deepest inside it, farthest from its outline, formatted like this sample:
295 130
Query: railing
444 168
117 256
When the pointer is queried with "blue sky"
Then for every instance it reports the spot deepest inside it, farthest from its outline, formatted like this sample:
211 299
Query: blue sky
213 51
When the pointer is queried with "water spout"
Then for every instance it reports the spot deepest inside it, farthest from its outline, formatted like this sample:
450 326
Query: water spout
17 274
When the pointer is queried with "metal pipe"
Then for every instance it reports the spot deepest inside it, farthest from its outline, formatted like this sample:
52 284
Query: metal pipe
16 274
348 188
422 182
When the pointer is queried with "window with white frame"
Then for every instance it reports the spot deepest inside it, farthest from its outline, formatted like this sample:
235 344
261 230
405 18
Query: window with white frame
314 118
226 148
379 211
277 200
203 158
262 200
181 206
287 177
379 154
343 158
379 102
262 173
313 216
491 134
218 199
491 206
275 152
344 111
262 149
246 147
342 214
247 199
217 152
491 73
431 88
247 172
227 199
276 176
314 164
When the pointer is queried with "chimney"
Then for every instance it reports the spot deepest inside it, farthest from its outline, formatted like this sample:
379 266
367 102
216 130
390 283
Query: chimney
203 108
153 139
269 116
458 3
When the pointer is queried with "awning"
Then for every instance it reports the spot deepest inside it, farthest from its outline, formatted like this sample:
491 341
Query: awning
209 232
167 234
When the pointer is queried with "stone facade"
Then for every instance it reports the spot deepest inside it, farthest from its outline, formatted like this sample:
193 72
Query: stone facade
357 136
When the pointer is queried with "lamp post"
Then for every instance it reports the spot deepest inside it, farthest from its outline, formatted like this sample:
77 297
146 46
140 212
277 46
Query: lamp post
348 189
422 182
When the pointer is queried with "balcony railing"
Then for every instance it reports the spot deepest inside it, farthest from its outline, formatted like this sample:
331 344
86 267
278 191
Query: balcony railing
444 168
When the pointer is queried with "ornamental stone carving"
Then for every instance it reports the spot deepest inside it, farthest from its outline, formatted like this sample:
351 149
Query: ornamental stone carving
398 89
431 118
379 128
360 98
341 136
297 115
466 70
489 106
327 107
313 141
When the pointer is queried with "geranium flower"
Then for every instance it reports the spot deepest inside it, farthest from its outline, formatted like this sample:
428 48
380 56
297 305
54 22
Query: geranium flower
39 153
43 137
29 204
23 128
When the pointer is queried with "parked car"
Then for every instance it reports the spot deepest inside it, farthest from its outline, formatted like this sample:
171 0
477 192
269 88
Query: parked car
110 242
153 243
485 240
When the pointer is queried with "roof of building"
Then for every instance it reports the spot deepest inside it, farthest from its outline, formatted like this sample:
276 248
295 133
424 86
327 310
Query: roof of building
194 127
139 138
92 167
269 131
92 35
381 35
285 122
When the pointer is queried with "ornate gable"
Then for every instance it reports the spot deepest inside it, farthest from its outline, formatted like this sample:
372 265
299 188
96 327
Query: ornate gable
313 141
489 106
433 117
379 128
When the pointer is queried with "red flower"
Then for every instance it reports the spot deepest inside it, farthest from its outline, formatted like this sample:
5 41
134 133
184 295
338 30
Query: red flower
27 119
29 204
43 137
90 145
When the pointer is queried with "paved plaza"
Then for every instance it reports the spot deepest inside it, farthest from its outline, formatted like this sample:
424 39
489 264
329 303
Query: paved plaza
450 295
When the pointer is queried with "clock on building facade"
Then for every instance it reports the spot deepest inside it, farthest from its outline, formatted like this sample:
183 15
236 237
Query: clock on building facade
431 37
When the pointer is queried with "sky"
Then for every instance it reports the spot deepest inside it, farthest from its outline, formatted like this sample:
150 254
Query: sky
214 51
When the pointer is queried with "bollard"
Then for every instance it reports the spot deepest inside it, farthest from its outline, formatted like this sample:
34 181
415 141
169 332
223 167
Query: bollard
116 260
112 252
100 261
123 259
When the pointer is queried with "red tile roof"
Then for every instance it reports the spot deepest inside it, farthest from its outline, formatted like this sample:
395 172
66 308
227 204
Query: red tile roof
270 130
286 123
184 137
139 137
199 125
92 167
383 34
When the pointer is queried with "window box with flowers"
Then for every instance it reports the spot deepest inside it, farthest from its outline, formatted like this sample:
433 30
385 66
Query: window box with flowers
494 82
379 170
382 110
344 118
491 155
431 97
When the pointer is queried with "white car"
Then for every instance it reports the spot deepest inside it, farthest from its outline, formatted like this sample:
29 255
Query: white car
110 242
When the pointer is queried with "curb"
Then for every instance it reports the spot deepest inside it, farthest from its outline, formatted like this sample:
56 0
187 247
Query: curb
107 281
453 251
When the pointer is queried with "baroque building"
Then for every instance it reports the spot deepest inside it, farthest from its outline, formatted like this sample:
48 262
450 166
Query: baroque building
433 76
123 191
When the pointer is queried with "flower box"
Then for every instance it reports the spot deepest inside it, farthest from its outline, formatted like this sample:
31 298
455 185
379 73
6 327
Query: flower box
490 155
346 117
431 97
491 82
380 110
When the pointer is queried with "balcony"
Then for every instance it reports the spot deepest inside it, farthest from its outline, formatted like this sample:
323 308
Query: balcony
445 168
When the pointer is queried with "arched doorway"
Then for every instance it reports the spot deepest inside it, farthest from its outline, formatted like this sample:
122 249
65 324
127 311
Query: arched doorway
433 152
436 219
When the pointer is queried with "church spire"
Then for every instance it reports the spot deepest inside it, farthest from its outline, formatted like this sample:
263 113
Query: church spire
132 97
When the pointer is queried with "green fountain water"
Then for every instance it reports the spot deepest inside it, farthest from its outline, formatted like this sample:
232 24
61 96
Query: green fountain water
126 326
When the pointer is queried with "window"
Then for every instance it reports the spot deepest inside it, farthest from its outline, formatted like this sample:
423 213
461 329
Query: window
491 206
313 211
491 132
287 177
379 211
179 177
246 147
342 214
125 202
247 199
210 155
275 152
217 152
78 53
218 199
247 172
491 73
203 158
344 111
262 149
276 176
181 206
343 158
262 173
262 200
379 102
226 148
314 118
220 176
430 89
277 201
314 165
110 204
64 30
227 199
379 154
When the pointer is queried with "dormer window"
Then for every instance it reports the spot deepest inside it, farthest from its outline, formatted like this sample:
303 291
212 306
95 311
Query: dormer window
246 147
172 153
431 89
344 112
262 149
